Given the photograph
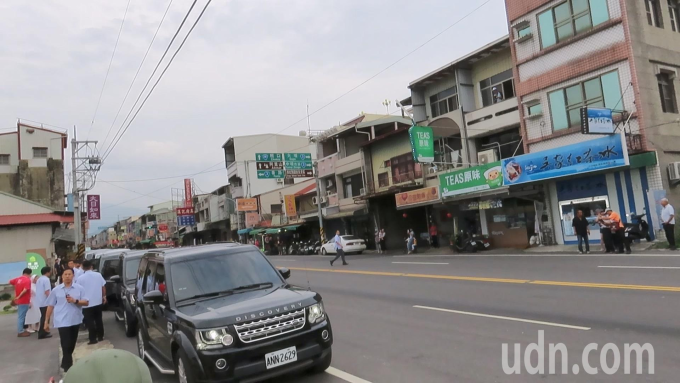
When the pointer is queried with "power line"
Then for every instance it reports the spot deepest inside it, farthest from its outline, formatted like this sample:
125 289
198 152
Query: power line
169 177
138 70
130 190
110 148
108 69
374 76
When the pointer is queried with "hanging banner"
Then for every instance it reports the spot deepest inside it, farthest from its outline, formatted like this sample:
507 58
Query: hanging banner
246 204
597 121
471 180
422 143
188 193
93 207
589 156
252 219
418 196
289 201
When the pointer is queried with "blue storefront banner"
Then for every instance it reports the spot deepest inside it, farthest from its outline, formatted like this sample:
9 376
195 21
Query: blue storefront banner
589 156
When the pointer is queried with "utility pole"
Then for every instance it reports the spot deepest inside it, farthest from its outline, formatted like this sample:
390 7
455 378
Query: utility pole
85 164
322 236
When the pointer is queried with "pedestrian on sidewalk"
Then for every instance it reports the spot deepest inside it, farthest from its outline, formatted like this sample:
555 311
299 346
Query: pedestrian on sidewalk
411 242
377 241
42 290
617 230
434 235
58 268
22 299
77 269
582 230
337 242
381 236
66 302
94 287
668 222
606 232
33 313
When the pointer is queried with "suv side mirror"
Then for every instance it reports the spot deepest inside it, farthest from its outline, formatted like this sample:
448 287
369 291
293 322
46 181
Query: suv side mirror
285 273
154 296
114 279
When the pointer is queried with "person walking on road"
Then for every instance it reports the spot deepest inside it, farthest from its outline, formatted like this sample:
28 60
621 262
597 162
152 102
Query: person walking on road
43 287
94 287
582 230
381 238
33 314
77 270
434 238
22 299
668 222
66 302
337 241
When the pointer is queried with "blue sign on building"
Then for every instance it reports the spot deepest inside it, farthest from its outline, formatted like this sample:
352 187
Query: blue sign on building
186 220
589 156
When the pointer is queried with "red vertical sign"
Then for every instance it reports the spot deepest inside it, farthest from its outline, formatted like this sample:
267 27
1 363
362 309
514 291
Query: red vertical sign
93 207
187 193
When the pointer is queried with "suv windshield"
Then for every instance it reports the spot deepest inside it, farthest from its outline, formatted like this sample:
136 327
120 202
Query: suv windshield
220 273
131 266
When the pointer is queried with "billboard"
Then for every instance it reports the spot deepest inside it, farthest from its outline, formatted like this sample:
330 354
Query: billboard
187 193
291 208
418 196
93 207
597 121
252 219
422 143
246 204
469 180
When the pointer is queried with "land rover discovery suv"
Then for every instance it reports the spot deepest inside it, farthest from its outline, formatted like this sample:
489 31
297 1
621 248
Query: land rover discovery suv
223 313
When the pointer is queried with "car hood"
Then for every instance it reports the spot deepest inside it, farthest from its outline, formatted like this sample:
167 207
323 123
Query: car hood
251 305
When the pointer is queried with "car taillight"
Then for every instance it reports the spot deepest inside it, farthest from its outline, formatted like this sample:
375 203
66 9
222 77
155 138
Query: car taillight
350 244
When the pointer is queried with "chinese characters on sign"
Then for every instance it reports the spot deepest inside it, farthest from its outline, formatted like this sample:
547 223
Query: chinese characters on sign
291 209
602 153
266 174
482 205
185 211
278 165
471 180
597 121
417 196
298 156
246 204
272 165
252 219
93 207
187 193
422 143
186 220
299 173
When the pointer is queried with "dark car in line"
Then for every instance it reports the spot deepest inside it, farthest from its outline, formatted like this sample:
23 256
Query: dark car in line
224 313
123 281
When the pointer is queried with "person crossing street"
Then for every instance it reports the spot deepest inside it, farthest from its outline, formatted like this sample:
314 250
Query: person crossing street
337 241
94 287
22 299
43 288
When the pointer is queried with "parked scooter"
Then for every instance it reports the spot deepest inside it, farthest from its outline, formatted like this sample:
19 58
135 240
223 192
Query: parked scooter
636 230
463 243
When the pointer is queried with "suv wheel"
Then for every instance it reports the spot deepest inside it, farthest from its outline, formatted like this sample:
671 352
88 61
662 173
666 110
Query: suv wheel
141 347
130 328
183 368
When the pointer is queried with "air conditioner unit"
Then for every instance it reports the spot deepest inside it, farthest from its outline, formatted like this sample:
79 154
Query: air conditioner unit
329 192
674 172
487 156
329 183
279 180
315 200
323 199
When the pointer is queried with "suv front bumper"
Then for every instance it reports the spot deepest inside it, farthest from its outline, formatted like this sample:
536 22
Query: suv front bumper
246 362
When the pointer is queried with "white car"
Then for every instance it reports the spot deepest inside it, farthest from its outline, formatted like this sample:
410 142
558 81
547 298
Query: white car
350 243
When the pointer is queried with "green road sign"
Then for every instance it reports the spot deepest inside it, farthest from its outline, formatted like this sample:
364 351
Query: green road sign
268 157
422 143
298 156
266 174
298 165
471 180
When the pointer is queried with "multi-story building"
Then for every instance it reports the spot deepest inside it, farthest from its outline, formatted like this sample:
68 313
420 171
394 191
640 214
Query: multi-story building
32 164
212 212
621 55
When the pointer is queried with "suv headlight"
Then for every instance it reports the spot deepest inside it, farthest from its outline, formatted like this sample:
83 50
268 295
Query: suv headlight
214 338
316 313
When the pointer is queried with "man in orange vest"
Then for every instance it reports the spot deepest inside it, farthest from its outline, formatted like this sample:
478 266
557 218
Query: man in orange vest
617 229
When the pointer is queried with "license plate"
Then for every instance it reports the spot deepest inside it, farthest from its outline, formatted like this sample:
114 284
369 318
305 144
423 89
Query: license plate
626 234
281 357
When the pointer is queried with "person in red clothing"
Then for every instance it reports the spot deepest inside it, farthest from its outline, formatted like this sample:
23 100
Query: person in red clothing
22 294
434 238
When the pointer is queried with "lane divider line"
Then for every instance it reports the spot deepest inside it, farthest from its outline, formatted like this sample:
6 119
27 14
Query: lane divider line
641 267
345 376
505 318
420 263
498 280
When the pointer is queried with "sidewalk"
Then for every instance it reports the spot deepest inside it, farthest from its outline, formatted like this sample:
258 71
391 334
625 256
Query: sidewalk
26 360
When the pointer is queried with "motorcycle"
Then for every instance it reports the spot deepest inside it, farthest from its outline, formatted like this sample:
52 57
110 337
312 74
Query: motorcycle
636 230
464 243
316 247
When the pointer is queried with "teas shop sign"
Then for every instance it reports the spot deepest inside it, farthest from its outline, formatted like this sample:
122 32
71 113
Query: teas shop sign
589 156
418 196
471 180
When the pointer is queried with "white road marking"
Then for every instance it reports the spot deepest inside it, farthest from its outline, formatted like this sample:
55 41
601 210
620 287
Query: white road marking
345 376
641 267
505 318
283 260
420 263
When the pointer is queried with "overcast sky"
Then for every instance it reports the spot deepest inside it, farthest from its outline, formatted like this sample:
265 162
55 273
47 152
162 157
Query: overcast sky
249 67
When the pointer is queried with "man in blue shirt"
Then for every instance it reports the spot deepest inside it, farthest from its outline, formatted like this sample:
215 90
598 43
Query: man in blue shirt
94 287
337 243
43 287
77 270
66 302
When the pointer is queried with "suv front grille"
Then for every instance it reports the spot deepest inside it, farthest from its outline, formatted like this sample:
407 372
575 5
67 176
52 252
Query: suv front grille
270 327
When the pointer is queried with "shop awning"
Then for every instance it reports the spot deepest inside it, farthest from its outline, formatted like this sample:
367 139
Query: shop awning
244 231
342 214
292 227
272 231
501 191
257 231
145 241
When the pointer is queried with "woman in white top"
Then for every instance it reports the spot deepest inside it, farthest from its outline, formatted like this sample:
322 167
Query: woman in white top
33 314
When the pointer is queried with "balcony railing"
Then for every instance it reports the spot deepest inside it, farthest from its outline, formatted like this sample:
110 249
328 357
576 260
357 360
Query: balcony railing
493 117
348 163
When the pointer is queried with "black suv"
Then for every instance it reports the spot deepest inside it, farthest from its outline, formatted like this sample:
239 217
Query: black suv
124 306
223 313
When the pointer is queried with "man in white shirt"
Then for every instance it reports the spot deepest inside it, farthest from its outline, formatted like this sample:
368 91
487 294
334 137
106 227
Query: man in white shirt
43 288
337 243
94 290
668 222
77 270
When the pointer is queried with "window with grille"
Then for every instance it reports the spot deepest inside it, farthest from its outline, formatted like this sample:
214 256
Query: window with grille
39 152
667 93
497 88
444 102
4 159
653 9
404 169
570 18
383 180
674 10
599 92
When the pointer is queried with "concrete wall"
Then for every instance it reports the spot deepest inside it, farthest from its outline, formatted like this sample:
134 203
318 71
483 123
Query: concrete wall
41 139
383 150
15 243
275 197
10 206
44 185
9 145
